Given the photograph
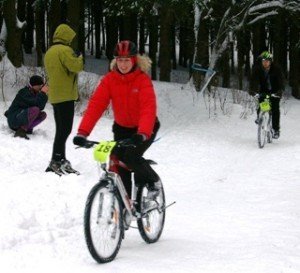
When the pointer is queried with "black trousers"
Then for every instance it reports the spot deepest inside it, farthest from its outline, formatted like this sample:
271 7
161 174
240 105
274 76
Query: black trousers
275 106
63 116
133 157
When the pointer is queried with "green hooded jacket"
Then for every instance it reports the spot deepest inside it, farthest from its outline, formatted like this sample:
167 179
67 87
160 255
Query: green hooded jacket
62 66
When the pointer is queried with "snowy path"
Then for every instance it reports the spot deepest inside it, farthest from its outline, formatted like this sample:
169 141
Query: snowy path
237 206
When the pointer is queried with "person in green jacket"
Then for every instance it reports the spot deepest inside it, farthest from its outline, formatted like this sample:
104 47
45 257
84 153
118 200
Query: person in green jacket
62 66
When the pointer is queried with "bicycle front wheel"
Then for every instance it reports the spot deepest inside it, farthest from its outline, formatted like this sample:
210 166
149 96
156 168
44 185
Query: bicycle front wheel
261 132
103 223
152 214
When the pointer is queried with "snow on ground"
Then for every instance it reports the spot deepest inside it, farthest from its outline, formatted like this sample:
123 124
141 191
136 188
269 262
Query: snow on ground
237 206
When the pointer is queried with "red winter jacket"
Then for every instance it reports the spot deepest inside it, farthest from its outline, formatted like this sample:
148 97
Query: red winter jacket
133 102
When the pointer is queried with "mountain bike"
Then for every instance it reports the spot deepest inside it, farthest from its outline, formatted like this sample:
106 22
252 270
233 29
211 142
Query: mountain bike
109 210
265 130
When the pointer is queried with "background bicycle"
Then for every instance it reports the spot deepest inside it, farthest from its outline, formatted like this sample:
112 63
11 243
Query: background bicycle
264 120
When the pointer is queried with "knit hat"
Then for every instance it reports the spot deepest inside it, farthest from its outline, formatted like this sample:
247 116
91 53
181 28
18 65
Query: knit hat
36 80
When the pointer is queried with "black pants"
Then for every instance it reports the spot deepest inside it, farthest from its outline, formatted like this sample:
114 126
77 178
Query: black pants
133 157
63 116
275 106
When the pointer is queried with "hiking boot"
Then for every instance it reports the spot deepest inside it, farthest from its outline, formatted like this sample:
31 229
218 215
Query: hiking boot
276 134
153 190
257 120
21 133
55 166
67 168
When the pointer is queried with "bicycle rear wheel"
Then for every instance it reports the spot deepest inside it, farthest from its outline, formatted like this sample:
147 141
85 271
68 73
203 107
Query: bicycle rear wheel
261 132
152 220
103 223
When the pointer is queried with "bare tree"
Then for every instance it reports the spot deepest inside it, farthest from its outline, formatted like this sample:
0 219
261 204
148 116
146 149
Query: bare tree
54 17
39 11
14 33
165 45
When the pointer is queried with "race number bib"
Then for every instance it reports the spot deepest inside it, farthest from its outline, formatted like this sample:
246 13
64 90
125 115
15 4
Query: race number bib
103 150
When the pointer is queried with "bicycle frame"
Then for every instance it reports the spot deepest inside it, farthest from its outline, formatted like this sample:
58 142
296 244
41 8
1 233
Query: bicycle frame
265 123
111 173
109 211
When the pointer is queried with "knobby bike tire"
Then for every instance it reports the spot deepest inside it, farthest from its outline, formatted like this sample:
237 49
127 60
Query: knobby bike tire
269 133
261 134
154 218
90 239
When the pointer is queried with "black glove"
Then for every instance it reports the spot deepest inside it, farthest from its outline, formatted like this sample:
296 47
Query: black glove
137 139
80 140
77 53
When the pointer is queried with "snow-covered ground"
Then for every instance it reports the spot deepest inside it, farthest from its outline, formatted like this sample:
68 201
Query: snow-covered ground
237 206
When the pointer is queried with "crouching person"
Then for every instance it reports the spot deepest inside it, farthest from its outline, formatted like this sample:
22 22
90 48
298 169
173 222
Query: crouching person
25 111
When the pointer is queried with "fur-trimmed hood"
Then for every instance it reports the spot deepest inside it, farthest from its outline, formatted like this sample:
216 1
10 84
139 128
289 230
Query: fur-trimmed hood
143 62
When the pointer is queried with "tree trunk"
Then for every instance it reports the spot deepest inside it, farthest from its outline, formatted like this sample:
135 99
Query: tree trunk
232 63
111 36
97 14
14 33
21 13
241 58
40 31
165 55
182 39
173 39
153 41
247 43
54 18
294 50
75 17
258 39
225 68
280 41
142 35
187 39
28 42
202 52
90 12
128 27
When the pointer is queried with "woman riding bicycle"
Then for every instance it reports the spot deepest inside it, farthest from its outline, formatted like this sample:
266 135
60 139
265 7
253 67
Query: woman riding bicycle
130 90
267 79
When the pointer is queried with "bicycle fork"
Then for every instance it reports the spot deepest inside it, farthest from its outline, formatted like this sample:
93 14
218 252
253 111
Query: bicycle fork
124 196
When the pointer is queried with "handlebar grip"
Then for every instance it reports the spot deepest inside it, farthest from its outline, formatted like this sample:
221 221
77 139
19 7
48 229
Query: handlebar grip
90 144
275 96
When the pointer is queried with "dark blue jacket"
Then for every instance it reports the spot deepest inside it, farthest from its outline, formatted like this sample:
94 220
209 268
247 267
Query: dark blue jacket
260 80
25 99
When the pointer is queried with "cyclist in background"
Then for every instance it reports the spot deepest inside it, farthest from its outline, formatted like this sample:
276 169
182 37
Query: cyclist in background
267 79
130 91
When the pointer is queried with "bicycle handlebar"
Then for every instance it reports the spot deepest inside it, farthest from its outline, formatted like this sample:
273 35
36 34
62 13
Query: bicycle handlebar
264 95
121 143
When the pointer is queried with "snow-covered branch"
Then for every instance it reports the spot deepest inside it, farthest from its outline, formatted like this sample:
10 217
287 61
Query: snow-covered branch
263 16
269 5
